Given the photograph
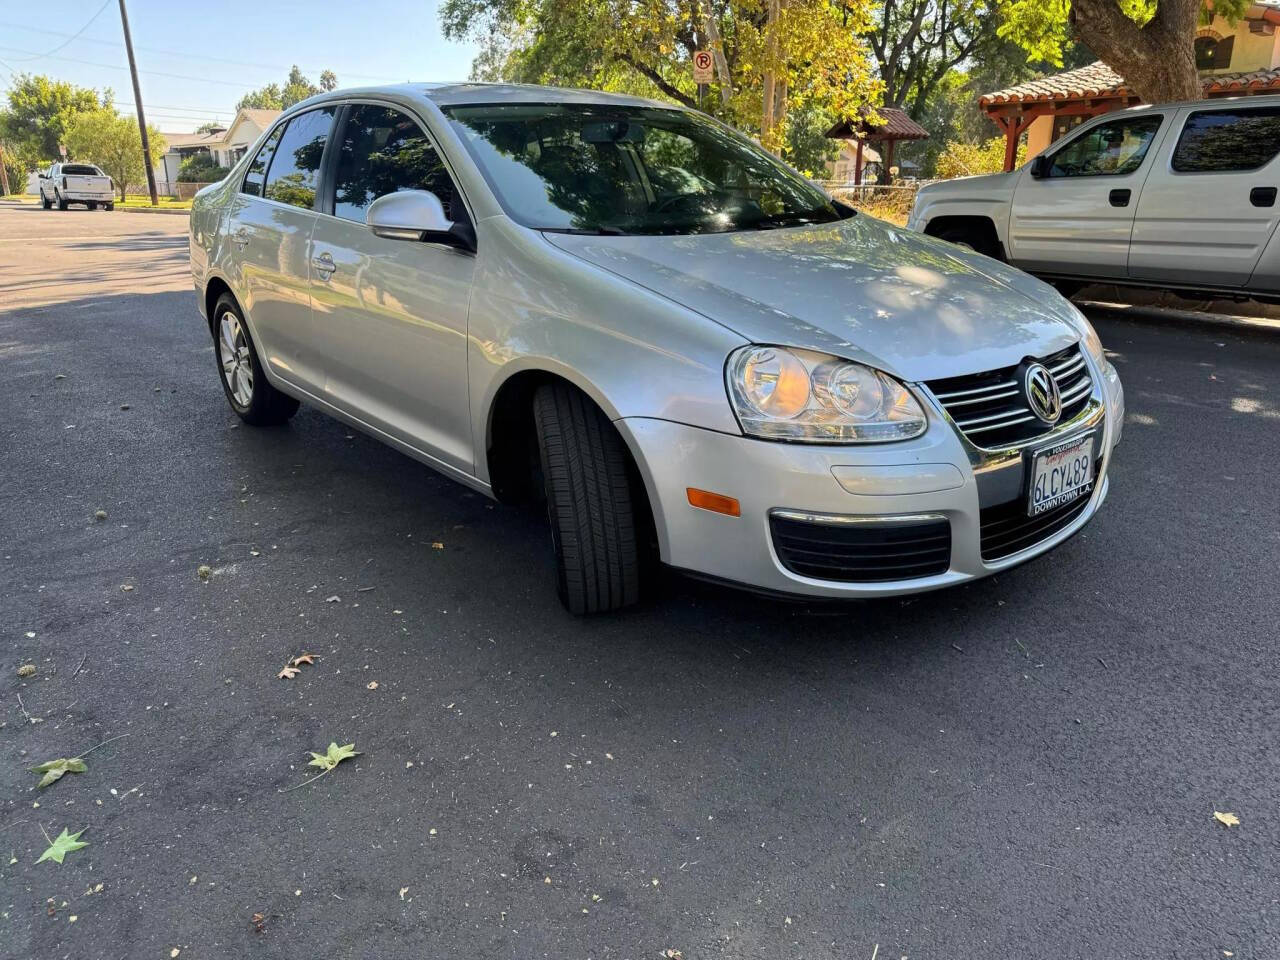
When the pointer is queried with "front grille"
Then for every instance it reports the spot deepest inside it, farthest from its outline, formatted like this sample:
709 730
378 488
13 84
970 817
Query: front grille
862 552
1006 528
991 409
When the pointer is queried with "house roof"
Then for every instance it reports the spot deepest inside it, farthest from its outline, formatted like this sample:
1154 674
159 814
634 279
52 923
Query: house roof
261 118
1097 80
895 125
192 139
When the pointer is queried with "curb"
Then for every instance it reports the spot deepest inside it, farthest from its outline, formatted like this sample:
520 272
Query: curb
181 212
1154 313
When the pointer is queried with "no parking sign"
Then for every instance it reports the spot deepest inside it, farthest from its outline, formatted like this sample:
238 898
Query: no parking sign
702 66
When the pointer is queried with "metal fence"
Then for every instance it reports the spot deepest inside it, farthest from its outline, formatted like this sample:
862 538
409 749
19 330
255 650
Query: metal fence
168 188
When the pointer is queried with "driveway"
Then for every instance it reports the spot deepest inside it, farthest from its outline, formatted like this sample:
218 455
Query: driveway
1025 767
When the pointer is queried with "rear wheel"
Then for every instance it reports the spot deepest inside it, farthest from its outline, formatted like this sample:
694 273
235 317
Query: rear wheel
93 204
589 501
45 201
62 201
255 400
109 206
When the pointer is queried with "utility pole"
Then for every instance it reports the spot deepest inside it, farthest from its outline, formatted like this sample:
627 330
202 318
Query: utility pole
4 175
137 102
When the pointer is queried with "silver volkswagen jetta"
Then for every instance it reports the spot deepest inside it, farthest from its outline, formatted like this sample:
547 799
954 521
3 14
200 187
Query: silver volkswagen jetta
685 346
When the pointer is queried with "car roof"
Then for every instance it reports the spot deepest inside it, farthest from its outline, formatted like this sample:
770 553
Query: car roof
461 94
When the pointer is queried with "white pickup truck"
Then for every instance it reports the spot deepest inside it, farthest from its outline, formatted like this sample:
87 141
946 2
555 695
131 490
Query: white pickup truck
65 183
1179 196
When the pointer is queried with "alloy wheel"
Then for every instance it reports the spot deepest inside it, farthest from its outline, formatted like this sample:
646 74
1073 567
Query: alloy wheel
235 359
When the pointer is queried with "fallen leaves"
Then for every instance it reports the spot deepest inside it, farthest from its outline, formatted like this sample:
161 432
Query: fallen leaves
204 571
99 515
333 756
290 669
371 685
66 843
27 670
259 923
53 770
1226 819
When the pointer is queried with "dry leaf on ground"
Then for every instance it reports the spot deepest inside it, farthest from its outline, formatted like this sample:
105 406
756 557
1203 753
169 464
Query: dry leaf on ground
1226 819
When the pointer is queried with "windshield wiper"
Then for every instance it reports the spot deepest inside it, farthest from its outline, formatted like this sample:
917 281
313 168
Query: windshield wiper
588 231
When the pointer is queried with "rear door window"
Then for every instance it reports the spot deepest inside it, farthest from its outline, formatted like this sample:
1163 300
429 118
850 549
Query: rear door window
384 151
294 170
1216 141
257 171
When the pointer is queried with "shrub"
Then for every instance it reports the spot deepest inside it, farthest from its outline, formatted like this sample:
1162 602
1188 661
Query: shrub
960 159
200 168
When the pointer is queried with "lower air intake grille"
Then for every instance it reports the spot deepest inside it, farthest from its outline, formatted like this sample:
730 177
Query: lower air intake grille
862 552
991 410
1006 528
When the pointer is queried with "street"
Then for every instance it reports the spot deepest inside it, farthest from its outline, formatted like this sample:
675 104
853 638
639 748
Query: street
1024 767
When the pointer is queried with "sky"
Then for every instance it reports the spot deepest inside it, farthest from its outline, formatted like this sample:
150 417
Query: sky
195 60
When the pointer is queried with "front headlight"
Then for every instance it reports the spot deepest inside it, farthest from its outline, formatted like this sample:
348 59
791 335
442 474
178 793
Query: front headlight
785 393
1092 343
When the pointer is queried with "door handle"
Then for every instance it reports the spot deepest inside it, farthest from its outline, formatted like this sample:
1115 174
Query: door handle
324 265
240 238
1119 198
1263 196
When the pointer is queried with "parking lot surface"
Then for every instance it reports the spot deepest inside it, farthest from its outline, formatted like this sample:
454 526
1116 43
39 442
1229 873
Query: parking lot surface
1025 767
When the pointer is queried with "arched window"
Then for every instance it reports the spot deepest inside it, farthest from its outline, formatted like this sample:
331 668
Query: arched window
1213 52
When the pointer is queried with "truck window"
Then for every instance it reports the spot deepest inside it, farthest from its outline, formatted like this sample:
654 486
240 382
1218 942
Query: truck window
1243 138
1109 149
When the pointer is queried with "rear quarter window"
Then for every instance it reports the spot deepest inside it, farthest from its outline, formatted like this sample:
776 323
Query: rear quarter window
1215 141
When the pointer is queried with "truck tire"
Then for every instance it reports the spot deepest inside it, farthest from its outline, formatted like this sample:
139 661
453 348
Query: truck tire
93 204
254 400
62 201
45 202
589 502
970 238
109 206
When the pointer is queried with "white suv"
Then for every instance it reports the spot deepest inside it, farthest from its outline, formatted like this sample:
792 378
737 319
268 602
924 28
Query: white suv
1180 195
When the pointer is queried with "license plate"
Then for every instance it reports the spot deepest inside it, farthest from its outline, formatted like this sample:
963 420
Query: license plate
1060 474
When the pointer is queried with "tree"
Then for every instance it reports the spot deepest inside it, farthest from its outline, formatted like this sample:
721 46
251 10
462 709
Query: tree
40 111
113 142
296 89
916 42
960 159
1150 44
771 58
200 168
211 127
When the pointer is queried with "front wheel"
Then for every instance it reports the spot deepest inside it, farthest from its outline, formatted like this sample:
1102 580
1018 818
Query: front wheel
970 239
255 400
589 501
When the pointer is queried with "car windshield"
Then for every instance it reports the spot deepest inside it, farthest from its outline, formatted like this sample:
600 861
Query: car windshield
594 168
81 170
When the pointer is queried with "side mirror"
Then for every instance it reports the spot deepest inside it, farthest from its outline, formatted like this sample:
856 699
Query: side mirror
1040 167
417 215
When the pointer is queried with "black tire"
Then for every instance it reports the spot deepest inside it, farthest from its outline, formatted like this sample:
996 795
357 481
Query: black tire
589 502
263 405
1068 288
109 206
45 202
93 204
62 201
971 239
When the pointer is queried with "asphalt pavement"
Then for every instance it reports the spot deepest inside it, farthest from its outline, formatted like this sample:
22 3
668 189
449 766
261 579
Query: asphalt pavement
1025 767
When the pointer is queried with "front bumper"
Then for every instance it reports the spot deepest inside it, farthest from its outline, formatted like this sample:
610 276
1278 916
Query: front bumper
939 474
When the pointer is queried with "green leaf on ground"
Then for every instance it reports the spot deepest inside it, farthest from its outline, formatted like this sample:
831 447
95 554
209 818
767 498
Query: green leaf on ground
334 756
66 843
54 769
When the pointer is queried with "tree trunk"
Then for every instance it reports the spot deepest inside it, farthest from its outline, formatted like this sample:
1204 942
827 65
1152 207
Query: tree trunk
1158 60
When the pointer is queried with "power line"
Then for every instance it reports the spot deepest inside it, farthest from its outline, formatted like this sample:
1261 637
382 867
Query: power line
73 36
196 56
153 73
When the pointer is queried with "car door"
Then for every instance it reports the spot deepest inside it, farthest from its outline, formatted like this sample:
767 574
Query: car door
391 315
1076 217
268 227
1208 211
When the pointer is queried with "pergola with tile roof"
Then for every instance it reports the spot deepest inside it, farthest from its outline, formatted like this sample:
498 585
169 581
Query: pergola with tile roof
893 125
1093 90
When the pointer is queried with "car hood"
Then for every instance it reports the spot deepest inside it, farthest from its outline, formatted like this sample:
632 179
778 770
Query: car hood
914 306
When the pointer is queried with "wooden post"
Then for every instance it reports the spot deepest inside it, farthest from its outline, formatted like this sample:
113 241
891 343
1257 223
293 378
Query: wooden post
142 120
1013 128
888 162
857 166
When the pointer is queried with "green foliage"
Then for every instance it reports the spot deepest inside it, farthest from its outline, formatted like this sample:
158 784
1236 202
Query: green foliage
40 112
210 127
333 756
959 159
113 142
200 168
64 844
54 769
296 89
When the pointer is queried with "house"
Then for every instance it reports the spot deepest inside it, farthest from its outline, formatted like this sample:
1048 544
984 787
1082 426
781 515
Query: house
844 167
226 146
1232 61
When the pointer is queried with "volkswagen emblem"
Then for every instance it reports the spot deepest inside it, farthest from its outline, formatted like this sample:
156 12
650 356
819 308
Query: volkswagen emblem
1042 392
